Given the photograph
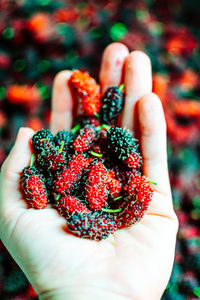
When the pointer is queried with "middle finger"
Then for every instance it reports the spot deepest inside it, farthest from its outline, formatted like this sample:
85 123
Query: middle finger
138 82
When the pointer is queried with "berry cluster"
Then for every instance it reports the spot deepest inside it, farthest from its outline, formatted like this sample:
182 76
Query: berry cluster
92 174
39 38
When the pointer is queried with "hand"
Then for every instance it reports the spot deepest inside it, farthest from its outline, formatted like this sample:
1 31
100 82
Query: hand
62 266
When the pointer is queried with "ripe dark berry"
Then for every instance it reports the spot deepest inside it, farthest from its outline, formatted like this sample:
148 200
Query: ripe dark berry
84 120
93 226
69 205
96 186
41 140
33 184
51 159
112 105
120 141
123 146
67 180
85 139
63 137
49 181
100 145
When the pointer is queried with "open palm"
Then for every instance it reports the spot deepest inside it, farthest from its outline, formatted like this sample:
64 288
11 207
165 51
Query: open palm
136 263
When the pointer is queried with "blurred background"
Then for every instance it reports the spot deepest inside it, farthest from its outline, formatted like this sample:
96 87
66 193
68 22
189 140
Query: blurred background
38 38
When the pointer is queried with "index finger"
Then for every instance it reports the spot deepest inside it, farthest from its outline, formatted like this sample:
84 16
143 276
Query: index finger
62 103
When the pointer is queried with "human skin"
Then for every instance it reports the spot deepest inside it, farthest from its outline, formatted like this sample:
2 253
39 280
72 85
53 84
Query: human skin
61 266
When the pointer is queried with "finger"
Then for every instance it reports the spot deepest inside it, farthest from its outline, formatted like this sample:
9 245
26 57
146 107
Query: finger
153 141
62 103
138 82
111 71
16 161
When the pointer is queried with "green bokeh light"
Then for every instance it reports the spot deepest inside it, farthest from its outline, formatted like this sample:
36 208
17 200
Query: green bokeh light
43 2
43 65
196 201
142 15
96 32
8 33
72 57
45 91
66 31
118 31
83 21
156 28
196 291
62 28
19 65
2 92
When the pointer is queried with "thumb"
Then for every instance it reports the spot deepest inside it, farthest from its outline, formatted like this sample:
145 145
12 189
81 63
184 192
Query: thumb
18 158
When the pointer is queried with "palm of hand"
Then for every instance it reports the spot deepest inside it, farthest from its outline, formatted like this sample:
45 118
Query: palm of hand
84 265
135 265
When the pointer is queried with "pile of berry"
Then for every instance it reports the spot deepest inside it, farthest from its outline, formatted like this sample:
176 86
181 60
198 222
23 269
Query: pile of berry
92 174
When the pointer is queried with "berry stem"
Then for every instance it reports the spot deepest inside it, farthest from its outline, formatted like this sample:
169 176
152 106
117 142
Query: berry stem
97 116
61 147
96 154
120 197
102 126
98 128
76 128
109 210
151 181
32 159
121 87
58 197
105 127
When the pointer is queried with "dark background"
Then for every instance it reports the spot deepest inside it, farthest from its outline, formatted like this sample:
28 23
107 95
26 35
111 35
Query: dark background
38 38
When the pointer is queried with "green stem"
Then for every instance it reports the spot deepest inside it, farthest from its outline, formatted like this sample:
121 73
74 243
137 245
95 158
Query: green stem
121 87
76 128
151 181
32 159
109 210
98 128
107 127
96 154
97 116
120 197
61 147
102 126
58 197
